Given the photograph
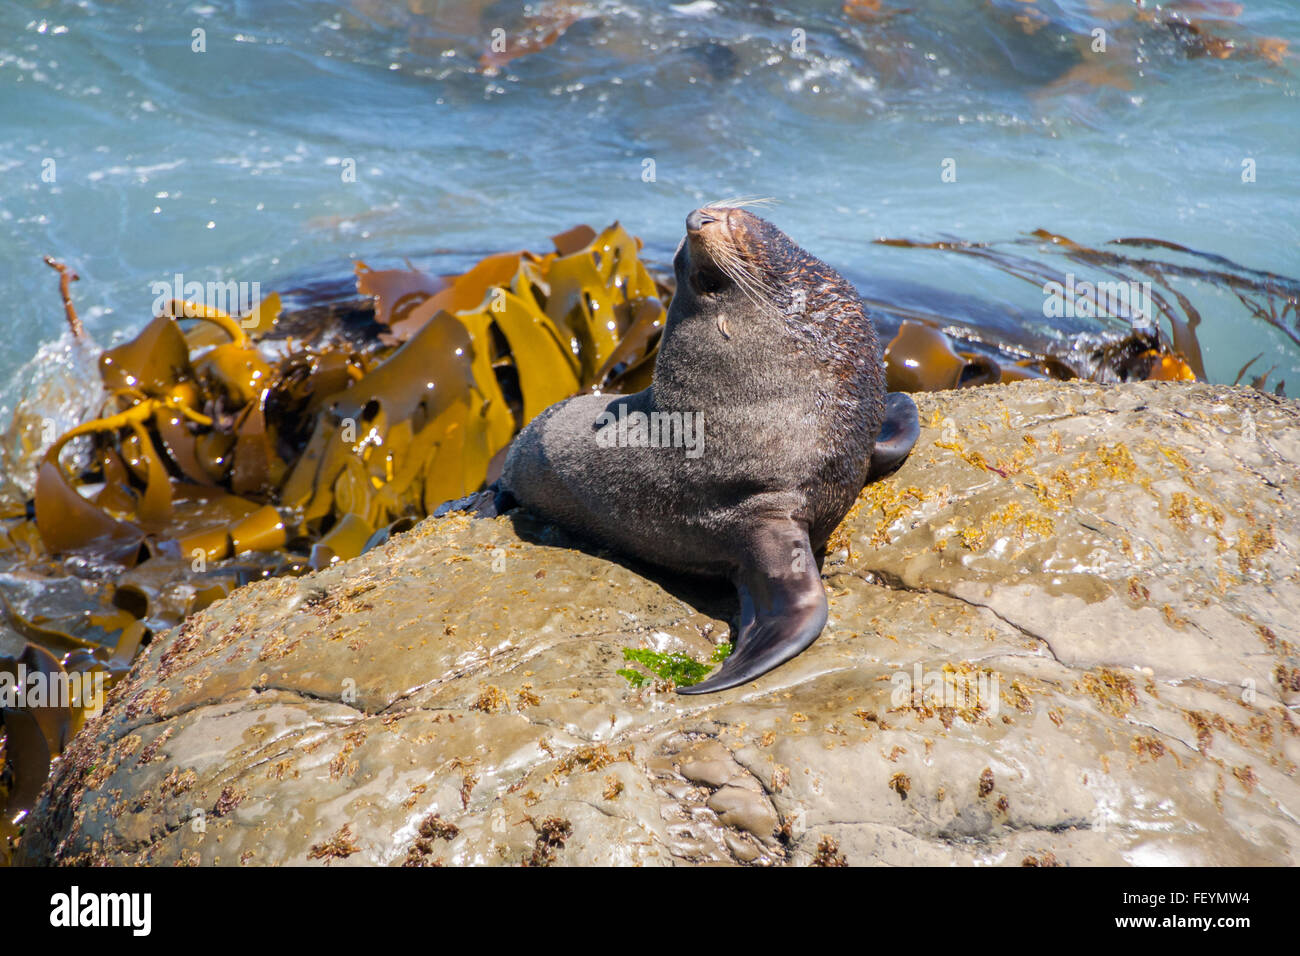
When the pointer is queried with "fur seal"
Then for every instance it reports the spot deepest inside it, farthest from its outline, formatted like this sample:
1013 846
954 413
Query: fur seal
766 415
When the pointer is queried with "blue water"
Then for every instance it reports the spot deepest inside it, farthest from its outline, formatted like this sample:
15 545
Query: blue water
228 163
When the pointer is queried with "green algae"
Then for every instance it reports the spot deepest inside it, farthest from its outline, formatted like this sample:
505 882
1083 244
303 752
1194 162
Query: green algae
678 668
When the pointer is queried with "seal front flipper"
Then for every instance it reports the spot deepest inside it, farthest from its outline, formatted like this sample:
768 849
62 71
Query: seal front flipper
897 435
488 503
782 605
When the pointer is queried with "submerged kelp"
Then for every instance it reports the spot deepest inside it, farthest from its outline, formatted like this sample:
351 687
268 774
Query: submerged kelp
1055 43
1137 307
1135 33
228 448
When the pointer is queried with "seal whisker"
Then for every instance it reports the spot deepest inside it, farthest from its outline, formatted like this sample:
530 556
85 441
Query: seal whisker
743 274
735 271
749 269
740 202
756 293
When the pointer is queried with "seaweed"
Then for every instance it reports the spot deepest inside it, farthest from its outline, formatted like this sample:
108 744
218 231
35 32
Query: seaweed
1132 346
681 670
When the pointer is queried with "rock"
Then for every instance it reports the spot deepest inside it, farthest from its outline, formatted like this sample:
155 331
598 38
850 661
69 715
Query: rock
1065 631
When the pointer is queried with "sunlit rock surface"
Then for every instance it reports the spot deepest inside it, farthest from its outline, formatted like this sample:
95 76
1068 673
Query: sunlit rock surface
1110 572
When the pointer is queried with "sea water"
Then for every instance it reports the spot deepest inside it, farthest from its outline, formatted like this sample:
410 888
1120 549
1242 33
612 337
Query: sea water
259 141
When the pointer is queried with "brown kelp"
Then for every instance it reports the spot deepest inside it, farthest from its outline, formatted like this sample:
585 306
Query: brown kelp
200 449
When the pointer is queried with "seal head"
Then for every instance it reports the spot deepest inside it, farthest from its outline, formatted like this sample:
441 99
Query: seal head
758 431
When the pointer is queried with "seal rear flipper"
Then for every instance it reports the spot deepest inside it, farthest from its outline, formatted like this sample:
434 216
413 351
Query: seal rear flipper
897 435
782 606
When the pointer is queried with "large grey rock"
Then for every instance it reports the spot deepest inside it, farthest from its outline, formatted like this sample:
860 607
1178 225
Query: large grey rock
1116 565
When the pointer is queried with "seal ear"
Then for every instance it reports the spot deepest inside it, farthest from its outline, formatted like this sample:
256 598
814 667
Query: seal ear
897 435
782 605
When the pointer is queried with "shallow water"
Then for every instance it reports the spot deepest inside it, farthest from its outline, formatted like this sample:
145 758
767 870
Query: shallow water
227 163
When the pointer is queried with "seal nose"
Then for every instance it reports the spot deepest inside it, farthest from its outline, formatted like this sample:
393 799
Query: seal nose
698 220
